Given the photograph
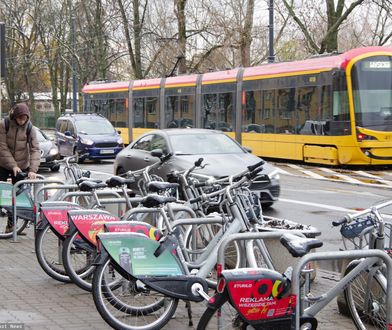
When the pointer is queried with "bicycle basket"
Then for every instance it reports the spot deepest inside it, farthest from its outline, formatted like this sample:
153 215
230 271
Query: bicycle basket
357 227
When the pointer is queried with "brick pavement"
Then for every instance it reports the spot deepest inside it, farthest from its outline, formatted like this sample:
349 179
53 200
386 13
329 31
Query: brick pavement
31 298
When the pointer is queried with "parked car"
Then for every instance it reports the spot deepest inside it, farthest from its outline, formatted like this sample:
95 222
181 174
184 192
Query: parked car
223 155
49 151
91 136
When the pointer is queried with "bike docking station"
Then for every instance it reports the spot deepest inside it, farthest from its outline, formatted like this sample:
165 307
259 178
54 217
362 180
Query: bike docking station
368 258
33 207
297 306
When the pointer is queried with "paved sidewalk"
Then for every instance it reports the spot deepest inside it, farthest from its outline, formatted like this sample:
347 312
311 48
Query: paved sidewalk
32 300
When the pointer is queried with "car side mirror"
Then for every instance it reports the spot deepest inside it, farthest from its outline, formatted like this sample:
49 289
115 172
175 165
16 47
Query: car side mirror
67 133
156 153
119 132
247 149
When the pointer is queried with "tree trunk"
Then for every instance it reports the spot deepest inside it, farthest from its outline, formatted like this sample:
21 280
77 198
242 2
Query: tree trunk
246 34
181 23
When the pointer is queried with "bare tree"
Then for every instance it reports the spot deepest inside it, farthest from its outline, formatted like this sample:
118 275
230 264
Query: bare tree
23 64
335 14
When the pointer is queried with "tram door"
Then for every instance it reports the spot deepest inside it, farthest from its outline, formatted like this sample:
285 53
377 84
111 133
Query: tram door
217 111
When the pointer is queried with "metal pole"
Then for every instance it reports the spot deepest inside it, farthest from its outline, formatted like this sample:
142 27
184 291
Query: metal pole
2 58
271 56
74 80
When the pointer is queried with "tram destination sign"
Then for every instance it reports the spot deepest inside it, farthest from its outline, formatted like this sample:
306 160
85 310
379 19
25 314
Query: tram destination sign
377 65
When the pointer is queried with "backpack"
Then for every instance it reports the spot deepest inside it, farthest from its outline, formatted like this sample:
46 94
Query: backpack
7 127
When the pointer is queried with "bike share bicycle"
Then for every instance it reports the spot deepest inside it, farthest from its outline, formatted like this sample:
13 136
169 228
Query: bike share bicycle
170 273
24 204
366 295
79 245
366 283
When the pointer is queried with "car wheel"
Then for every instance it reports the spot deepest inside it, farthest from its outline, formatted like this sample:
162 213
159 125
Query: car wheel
266 206
80 159
120 171
55 168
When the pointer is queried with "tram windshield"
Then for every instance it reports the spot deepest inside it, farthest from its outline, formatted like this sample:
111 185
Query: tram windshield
372 93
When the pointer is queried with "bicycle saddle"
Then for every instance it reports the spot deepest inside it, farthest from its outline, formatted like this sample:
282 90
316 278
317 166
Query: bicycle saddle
83 179
158 186
299 246
117 181
91 185
156 200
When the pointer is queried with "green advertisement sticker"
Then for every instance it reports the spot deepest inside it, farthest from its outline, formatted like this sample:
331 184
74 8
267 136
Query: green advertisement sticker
22 200
135 254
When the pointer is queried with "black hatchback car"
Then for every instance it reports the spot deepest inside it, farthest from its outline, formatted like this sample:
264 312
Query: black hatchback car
223 155
49 151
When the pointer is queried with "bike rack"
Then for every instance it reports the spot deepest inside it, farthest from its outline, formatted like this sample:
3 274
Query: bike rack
42 189
352 254
41 180
117 200
249 236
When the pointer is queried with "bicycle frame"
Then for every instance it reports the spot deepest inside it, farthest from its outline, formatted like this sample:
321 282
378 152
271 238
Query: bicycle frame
372 256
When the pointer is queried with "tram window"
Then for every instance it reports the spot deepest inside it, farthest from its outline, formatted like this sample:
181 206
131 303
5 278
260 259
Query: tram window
109 111
121 114
145 114
268 111
326 109
179 111
252 116
307 111
217 111
286 118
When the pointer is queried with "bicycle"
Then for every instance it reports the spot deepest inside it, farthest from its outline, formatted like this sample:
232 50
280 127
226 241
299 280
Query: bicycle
265 299
24 203
366 294
172 279
79 245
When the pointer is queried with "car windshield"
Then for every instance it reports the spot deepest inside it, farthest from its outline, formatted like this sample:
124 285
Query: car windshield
40 136
199 144
94 127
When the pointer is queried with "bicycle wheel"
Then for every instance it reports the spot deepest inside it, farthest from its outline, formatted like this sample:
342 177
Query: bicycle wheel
366 299
78 257
198 237
48 248
21 224
127 304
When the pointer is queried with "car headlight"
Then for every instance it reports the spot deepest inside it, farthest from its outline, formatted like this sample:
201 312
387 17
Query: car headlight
54 151
87 142
120 141
274 175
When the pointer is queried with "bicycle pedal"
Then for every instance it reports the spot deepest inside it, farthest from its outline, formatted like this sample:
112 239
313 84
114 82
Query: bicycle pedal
141 287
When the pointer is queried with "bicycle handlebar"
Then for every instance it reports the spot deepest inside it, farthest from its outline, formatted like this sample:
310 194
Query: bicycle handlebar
21 176
350 217
251 168
165 158
339 222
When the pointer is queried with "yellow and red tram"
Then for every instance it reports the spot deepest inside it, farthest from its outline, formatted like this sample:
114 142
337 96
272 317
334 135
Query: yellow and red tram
334 109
